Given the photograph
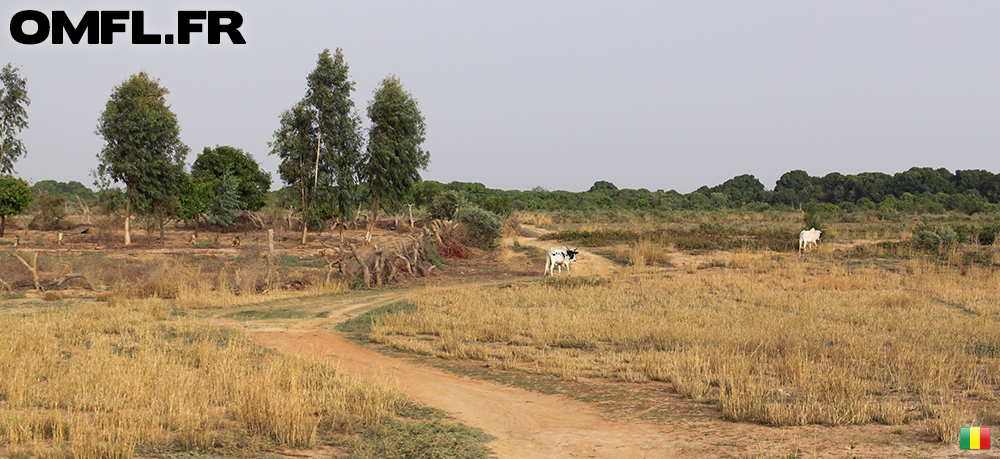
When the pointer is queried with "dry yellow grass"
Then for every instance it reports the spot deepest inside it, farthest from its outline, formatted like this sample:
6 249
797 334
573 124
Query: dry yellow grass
122 378
781 339
193 289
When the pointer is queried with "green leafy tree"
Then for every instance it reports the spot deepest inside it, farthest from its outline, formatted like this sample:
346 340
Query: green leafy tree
338 126
69 190
13 116
319 141
394 155
215 163
293 143
741 189
143 149
15 198
194 197
425 192
604 186
226 204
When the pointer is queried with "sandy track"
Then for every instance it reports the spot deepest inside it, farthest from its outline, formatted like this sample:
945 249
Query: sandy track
526 424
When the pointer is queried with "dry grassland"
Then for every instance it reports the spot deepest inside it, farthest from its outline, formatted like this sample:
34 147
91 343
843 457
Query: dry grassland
112 380
779 339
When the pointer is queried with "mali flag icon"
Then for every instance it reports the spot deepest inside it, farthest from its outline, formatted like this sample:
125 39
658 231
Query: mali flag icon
974 438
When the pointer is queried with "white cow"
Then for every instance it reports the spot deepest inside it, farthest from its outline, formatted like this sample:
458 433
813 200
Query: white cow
809 236
558 257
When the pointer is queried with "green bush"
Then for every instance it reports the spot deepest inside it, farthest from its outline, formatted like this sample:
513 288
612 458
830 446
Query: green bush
484 227
934 238
988 234
445 205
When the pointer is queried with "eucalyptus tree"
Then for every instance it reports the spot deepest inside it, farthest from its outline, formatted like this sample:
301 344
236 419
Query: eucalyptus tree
394 155
142 150
13 116
320 142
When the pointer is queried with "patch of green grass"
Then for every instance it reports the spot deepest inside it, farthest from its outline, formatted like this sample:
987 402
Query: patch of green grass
363 323
405 439
14 295
286 260
619 257
420 412
253 314
534 254
576 282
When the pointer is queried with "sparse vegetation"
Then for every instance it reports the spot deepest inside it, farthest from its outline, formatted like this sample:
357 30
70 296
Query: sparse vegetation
128 378
774 339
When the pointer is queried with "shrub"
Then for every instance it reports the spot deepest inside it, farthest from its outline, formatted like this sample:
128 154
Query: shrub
446 205
484 227
988 234
935 238
50 211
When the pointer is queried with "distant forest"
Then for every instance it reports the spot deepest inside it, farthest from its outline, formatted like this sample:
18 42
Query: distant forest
920 189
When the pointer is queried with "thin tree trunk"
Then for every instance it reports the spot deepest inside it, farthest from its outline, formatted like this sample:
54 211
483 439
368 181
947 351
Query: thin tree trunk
305 227
319 141
343 224
3 223
33 267
371 224
128 216
270 256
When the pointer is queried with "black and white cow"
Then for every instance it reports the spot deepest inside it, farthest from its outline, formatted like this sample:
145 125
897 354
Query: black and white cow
559 257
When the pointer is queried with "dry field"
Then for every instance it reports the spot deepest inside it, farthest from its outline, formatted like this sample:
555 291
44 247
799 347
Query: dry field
133 369
764 337
127 377
779 339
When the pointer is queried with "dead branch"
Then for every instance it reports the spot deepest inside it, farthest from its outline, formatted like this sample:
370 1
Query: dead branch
364 266
33 267
71 276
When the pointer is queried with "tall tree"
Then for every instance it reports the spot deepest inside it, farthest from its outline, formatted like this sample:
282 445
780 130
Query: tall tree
325 121
15 197
215 163
143 149
338 126
293 143
394 155
13 116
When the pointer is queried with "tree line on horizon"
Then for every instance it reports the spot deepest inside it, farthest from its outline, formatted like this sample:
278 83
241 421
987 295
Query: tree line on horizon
919 189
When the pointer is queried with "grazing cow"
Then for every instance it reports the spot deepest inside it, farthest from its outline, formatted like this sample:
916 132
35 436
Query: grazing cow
809 236
559 257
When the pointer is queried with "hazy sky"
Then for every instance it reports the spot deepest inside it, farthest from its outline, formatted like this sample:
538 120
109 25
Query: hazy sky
560 94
